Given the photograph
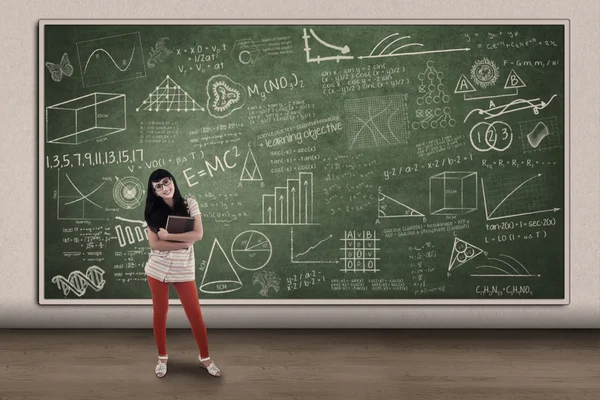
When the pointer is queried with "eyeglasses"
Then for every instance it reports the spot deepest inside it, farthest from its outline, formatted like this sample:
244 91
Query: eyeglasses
163 183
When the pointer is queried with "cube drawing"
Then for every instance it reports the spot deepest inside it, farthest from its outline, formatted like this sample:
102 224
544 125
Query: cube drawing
85 118
453 193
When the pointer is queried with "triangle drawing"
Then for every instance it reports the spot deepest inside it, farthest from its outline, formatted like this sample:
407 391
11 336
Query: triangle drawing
514 81
391 208
462 252
464 86
217 277
250 171
169 96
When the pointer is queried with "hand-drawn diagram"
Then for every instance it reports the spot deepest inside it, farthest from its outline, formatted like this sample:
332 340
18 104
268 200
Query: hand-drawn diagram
485 72
453 193
360 251
72 204
169 96
337 50
511 86
247 52
128 192
267 280
496 111
395 48
291 204
523 198
250 170
318 253
462 252
85 118
111 59
158 53
540 134
78 282
224 96
63 68
388 207
432 93
495 136
377 121
251 250
508 261
219 275
126 236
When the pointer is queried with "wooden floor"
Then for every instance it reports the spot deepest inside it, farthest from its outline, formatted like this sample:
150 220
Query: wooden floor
303 364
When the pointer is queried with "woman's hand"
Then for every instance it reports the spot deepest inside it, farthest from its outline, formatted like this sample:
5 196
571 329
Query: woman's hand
163 234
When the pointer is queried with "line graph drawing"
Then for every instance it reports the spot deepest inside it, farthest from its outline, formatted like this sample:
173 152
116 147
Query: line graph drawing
377 121
388 207
251 250
315 254
72 204
291 204
502 109
219 275
511 86
383 53
501 269
111 59
540 134
169 96
78 282
524 198
336 49
462 252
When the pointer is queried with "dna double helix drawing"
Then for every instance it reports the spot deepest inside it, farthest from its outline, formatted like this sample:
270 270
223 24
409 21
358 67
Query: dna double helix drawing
78 282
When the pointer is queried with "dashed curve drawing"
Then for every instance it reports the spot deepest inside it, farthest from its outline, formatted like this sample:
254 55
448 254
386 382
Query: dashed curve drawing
462 252
388 207
525 198
73 204
111 59
509 267
169 96
219 275
78 282
377 121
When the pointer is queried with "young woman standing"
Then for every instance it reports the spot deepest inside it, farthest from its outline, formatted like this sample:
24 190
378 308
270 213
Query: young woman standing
172 261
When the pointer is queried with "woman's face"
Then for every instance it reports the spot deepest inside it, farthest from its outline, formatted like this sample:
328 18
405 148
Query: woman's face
164 188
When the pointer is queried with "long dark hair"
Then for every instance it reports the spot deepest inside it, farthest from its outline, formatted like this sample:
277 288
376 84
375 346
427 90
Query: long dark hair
157 210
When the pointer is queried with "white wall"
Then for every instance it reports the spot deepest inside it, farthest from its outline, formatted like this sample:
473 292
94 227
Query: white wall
18 161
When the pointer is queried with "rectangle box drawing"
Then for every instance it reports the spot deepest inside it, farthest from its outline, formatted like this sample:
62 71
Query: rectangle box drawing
453 193
86 118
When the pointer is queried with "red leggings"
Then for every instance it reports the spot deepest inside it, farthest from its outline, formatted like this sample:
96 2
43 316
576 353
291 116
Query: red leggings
188 294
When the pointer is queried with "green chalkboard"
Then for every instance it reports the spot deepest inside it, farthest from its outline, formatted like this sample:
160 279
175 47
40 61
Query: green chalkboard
407 163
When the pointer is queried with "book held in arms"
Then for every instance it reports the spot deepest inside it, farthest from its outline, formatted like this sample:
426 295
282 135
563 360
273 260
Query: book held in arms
179 224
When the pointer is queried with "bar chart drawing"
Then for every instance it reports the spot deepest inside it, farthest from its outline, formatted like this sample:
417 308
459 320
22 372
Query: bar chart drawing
292 204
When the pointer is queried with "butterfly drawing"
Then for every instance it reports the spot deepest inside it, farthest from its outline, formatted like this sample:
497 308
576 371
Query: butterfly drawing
63 68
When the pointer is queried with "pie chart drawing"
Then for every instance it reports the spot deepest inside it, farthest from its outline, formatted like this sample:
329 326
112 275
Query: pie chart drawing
251 250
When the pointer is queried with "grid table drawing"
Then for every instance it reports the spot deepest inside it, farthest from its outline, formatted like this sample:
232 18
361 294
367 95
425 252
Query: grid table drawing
377 121
360 251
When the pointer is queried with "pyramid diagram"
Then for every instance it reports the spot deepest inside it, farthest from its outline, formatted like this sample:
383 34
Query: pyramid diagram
391 208
250 172
169 96
462 252
219 275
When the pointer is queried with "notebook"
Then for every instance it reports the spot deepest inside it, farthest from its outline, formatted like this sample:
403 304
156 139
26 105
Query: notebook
177 224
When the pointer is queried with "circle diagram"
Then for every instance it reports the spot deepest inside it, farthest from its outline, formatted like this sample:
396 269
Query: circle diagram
251 250
128 192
